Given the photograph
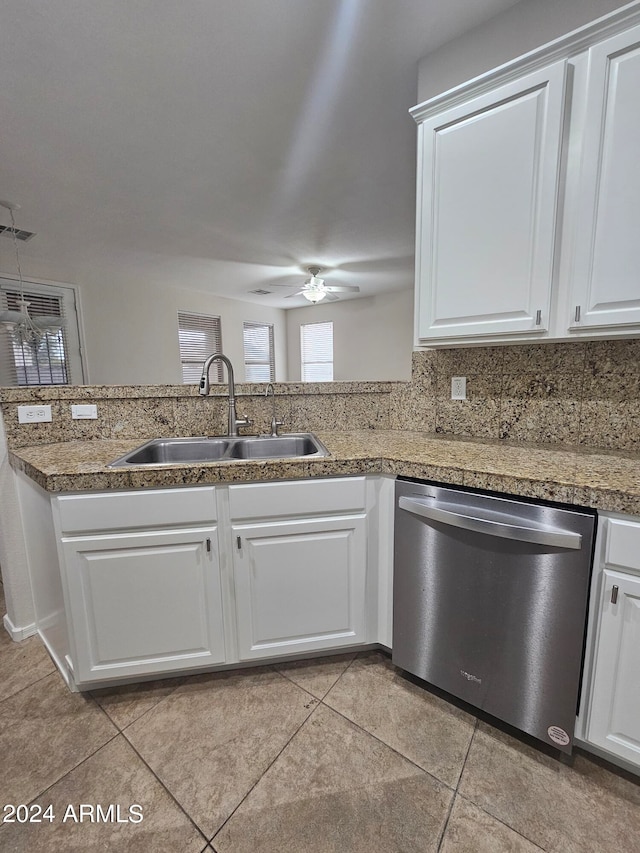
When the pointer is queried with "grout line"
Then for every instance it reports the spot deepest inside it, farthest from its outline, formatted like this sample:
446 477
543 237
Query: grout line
388 746
302 724
180 682
498 820
455 792
165 788
150 769
54 671
75 767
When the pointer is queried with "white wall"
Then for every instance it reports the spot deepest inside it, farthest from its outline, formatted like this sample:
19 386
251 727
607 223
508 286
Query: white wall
372 336
148 311
130 325
510 34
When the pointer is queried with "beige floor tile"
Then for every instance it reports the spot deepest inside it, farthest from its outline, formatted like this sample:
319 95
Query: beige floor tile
561 808
336 789
45 731
212 739
21 664
424 728
123 705
470 830
316 676
112 776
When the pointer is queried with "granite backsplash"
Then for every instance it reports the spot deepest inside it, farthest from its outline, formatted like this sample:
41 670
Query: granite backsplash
582 393
149 411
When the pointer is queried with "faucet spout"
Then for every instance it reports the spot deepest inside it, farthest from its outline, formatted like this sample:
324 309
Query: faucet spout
205 387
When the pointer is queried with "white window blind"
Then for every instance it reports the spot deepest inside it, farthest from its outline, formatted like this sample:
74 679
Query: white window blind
199 336
52 358
259 356
316 347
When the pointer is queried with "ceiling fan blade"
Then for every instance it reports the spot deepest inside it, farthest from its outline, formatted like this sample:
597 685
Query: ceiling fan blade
342 288
297 293
330 297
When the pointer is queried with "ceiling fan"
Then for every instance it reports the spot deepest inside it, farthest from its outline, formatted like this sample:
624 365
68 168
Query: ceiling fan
315 289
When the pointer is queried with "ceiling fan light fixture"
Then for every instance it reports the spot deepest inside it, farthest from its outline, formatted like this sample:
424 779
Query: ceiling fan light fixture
314 294
315 282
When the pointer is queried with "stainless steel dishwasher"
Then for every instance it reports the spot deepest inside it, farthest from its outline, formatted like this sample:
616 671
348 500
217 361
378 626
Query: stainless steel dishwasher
489 602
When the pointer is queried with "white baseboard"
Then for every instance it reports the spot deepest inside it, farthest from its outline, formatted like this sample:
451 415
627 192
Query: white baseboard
16 633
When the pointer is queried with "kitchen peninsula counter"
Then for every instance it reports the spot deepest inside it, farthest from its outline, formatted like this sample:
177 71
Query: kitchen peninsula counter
606 480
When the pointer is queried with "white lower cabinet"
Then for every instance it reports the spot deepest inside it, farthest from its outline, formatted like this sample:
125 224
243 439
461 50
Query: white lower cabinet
299 565
300 586
169 580
614 721
612 671
144 603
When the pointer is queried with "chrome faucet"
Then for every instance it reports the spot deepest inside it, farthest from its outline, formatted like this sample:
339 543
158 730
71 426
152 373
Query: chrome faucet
205 386
274 423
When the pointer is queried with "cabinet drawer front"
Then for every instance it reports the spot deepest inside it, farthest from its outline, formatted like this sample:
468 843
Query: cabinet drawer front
305 497
146 508
623 544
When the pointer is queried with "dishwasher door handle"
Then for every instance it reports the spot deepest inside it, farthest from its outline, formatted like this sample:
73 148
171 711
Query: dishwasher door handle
540 536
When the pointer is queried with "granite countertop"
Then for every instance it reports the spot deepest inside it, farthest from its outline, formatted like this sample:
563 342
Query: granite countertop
596 478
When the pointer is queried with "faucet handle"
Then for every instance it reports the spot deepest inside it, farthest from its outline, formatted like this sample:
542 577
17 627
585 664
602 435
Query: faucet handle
244 422
274 426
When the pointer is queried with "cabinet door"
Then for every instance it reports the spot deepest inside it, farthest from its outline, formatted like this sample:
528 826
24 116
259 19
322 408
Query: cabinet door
300 586
144 603
487 199
605 278
614 721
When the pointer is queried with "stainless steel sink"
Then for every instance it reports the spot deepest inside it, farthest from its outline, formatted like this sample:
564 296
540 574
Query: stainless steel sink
181 451
271 447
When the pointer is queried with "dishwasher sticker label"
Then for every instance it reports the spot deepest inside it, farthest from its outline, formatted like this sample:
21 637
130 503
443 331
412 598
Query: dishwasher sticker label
558 735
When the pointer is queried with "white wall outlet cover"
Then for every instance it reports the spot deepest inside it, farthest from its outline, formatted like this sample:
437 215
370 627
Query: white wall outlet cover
458 387
33 414
84 412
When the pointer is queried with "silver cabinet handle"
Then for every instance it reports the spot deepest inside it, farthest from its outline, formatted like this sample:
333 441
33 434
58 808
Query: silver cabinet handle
614 595
538 317
577 314
546 536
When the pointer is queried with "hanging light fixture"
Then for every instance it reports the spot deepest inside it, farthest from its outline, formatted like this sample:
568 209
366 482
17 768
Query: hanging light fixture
29 328
314 289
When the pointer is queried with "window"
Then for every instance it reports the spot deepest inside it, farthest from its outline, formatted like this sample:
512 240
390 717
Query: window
199 336
316 347
259 358
52 358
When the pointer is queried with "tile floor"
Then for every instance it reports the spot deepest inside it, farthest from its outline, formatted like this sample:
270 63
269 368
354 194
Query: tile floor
339 755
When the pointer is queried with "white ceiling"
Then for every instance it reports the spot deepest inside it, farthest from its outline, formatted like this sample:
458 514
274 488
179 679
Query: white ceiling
230 143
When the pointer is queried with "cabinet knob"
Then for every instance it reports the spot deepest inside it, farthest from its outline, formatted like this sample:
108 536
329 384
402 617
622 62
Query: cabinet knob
614 595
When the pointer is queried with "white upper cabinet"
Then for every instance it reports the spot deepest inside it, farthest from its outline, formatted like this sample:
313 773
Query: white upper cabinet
605 273
487 201
528 205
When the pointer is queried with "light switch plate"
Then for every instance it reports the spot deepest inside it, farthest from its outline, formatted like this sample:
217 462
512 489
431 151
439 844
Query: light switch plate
84 412
33 414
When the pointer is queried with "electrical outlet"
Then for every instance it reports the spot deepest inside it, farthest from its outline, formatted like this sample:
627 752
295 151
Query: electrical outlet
33 414
458 387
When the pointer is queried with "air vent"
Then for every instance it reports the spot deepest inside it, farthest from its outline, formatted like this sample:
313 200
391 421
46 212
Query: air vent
261 292
19 233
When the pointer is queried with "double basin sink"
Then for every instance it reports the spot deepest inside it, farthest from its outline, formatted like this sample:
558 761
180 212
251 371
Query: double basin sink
180 451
